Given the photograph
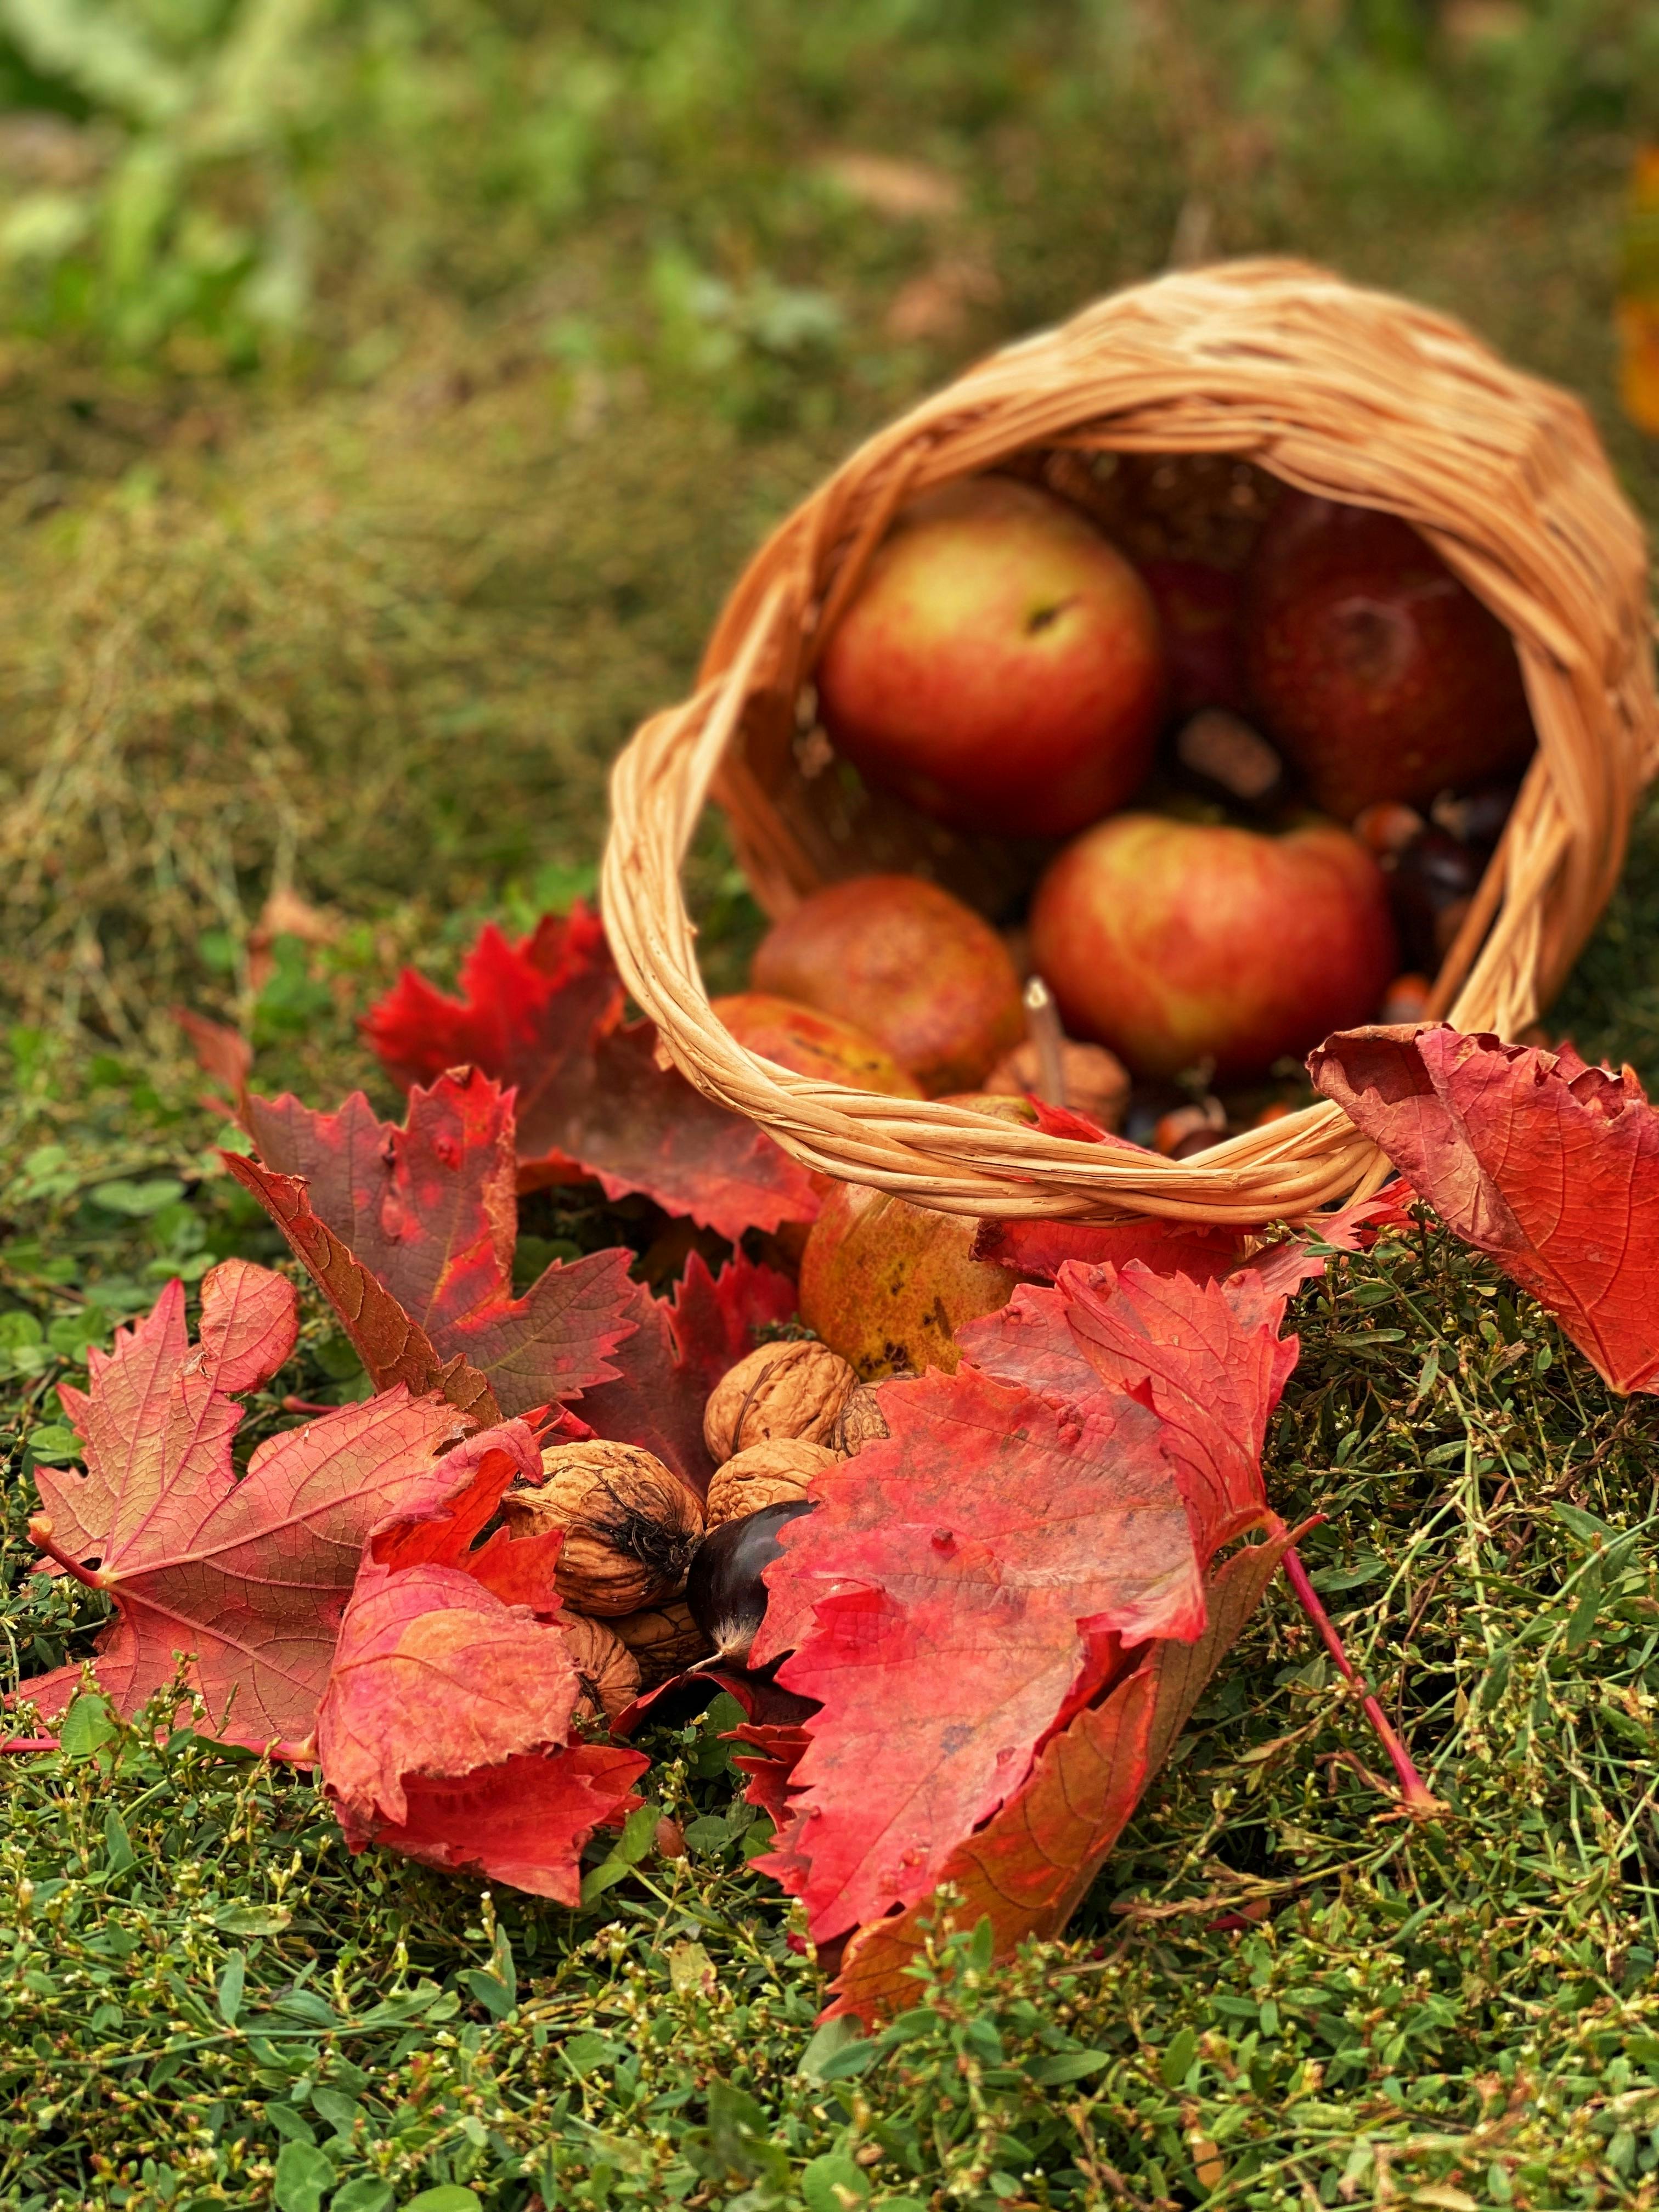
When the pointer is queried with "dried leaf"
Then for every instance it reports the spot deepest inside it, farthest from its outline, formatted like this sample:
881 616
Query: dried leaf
249 1577
445 1728
223 1054
1549 1166
430 1211
545 1017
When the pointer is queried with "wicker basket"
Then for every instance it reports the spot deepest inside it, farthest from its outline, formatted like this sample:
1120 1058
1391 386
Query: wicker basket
1353 394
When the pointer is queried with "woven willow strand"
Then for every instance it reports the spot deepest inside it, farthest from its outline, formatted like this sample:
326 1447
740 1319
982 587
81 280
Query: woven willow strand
1352 394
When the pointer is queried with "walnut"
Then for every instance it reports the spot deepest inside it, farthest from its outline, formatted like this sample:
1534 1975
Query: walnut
663 1639
630 1525
774 1474
859 1422
607 1670
791 1390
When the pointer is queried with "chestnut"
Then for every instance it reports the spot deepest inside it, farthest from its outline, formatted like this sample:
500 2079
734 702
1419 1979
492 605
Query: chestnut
723 1589
1431 883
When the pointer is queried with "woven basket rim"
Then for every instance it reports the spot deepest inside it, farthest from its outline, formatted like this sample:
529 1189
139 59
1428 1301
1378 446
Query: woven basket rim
1332 388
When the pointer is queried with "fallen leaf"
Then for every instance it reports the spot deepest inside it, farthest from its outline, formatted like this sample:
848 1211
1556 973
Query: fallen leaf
444 1731
1549 1166
1006 1608
905 190
249 1577
224 1053
411 1233
680 1350
948 1572
1028 1869
1043 1248
1216 1365
430 1210
1201 1250
285 914
393 1349
545 1017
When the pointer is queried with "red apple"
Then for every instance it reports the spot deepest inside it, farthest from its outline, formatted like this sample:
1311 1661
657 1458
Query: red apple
1199 608
888 1285
908 964
1177 942
999 666
1377 674
810 1044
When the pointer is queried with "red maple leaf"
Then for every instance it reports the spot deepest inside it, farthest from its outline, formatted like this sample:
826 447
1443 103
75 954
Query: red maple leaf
1030 1866
1203 1251
545 1016
680 1351
951 1570
1548 1165
445 1728
430 1210
972 1594
1043 1248
248 1577
411 1233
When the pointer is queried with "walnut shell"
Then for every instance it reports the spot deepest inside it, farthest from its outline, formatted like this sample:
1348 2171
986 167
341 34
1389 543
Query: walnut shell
663 1639
772 1473
859 1422
789 1390
630 1525
607 1670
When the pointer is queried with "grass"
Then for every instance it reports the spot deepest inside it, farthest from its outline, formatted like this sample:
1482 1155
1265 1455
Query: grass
351 590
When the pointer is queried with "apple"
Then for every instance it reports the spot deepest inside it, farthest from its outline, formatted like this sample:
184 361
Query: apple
1176 943
1200 607
887 1284
810 1044
912 967
1376 672
999 665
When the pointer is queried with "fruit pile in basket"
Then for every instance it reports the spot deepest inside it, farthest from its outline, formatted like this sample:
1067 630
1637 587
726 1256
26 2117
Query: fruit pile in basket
1255 748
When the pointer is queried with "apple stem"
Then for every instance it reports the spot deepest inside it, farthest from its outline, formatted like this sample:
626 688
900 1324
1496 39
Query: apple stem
1414 1793
1043 1027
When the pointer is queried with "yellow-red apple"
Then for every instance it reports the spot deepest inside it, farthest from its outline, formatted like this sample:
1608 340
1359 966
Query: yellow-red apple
999 665
1178 943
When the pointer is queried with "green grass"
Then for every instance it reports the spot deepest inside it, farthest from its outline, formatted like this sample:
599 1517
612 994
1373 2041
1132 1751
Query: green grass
358 499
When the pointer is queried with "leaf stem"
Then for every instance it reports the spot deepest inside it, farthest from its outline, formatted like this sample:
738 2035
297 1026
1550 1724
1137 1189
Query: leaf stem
41 1536
1414 1793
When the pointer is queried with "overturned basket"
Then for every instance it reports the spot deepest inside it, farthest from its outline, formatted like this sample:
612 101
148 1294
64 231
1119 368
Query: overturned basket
1353 394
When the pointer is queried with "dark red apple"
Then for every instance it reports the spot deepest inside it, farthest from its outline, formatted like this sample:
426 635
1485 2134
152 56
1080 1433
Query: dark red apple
1376 672
908 964
999 665
1177 942
1198 611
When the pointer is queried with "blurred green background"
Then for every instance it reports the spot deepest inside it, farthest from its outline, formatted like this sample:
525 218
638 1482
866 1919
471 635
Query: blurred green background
389 388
